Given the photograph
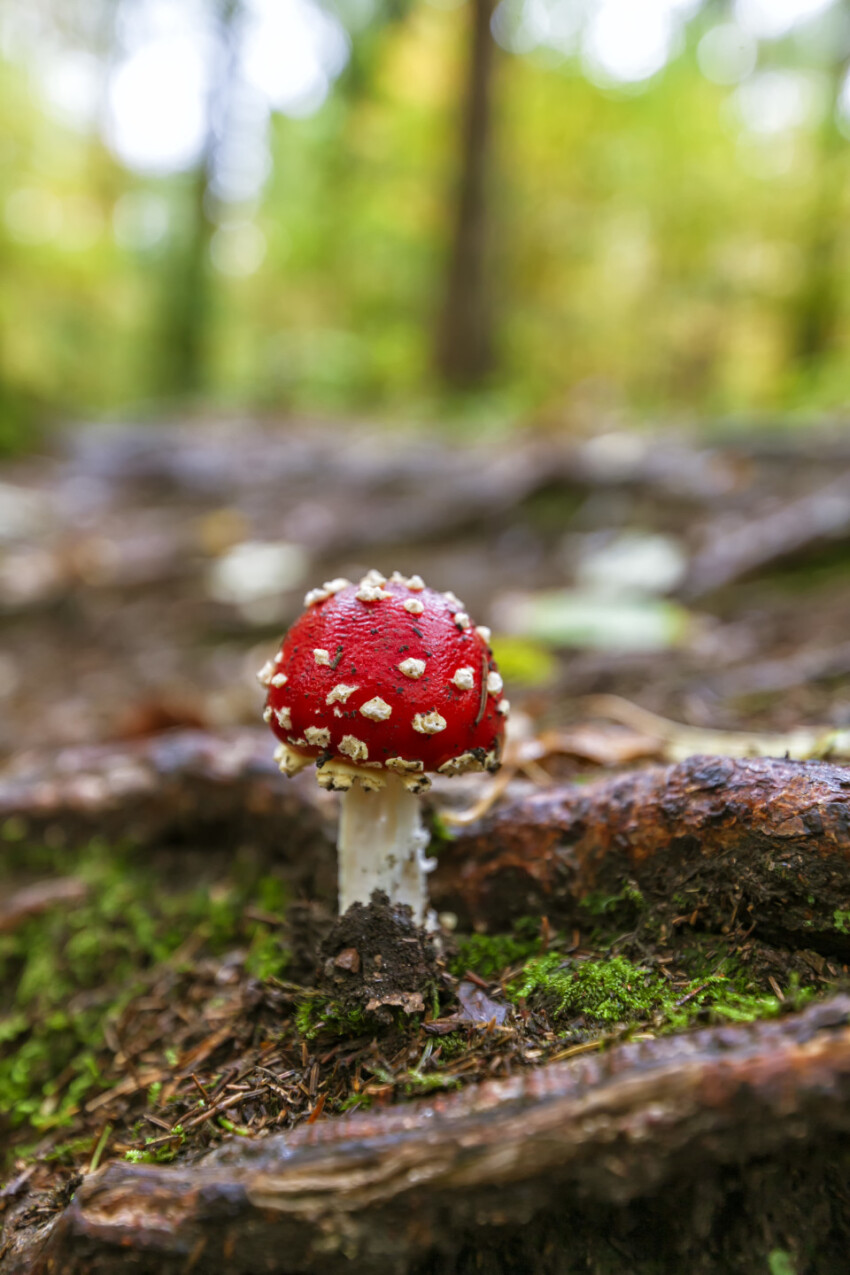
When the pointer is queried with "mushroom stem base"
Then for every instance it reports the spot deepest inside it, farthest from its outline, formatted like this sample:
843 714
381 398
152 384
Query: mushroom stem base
382 847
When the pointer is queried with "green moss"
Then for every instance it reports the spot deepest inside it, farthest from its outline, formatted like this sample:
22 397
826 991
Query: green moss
607 991
453 1045
488 955
779 1262
154 1154
356 1102
267 957
615 990
419 1082
68 1150
68 971
320 1015
628 899
841 920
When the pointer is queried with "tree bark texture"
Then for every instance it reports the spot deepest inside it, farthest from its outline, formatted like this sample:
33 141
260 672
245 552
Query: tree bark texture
763 842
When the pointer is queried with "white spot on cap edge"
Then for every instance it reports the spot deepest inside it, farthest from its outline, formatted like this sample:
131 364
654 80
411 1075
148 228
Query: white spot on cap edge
371 593
314 596
403 766
353 748
266 673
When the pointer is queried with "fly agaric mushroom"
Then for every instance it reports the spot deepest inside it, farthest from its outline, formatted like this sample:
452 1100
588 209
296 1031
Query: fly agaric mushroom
383 683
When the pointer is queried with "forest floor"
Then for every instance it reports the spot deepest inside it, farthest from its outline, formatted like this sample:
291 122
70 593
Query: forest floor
165 991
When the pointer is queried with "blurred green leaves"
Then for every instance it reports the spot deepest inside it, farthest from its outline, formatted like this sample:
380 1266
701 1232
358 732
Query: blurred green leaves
651 249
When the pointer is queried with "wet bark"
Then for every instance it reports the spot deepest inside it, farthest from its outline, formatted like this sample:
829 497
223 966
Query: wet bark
760 842
181 789
655 1152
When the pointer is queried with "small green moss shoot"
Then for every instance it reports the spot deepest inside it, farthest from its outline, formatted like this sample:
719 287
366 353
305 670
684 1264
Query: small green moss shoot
356 1102
158 1154
780 1262
608 991
489 955
320 1015
629 901
841 920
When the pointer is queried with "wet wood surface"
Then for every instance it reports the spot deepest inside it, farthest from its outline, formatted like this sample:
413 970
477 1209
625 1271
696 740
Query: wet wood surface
763 839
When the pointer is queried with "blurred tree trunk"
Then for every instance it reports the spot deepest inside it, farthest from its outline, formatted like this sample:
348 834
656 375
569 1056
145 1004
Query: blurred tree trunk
817 305
183 330
187 302
464 345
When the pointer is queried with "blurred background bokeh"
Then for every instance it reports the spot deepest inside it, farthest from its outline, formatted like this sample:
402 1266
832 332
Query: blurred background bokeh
547 300
490 210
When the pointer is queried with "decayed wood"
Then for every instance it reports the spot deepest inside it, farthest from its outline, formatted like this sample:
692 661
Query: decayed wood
761 841
376 1191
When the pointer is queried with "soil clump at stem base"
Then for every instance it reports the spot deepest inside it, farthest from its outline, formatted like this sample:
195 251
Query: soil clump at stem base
376 960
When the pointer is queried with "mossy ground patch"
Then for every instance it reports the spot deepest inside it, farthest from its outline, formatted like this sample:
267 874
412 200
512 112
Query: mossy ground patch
154 1018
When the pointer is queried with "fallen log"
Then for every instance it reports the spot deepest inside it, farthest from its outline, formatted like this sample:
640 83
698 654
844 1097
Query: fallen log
657 1151
200 789
762 842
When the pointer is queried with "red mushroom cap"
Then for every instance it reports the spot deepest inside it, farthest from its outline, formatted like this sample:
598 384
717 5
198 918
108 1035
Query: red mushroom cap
385 676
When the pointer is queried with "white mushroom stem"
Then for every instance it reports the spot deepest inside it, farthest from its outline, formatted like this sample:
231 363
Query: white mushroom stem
382 847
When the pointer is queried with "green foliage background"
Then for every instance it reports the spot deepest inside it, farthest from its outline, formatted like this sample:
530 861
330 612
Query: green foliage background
647 255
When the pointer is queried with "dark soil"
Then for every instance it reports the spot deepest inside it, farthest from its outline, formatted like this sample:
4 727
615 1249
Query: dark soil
376 960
